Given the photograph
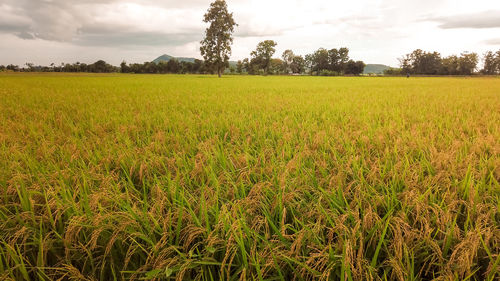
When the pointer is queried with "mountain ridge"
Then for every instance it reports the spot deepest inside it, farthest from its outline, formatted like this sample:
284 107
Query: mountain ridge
166 58
375 68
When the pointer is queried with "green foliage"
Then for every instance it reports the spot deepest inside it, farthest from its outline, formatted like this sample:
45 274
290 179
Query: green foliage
216 46
393 71
326 72
333 62
354 67
261 57
431 63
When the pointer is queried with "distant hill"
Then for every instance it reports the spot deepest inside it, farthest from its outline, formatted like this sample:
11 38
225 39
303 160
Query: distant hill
166 58
375 68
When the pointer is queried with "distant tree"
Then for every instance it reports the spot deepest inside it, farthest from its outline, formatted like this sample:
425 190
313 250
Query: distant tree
421 62
254 66
450 65
287 57
337 59
186 67
124 67
246 65
2 68
12 67
425 62
497 59
319 61
309 62
354 67
216 47
431 63
490 63
263 53
405 64
468 63
30 66
298 65
162 67
239 67
198 66
393 71
276 66
84 67
78 66
173 66
99 66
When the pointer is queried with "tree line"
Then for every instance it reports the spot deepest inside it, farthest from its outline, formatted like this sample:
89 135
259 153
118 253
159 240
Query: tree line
99 66
432 63
172 66
261 62
323 62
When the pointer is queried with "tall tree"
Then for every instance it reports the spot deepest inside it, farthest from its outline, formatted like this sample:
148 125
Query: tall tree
354 67
239 67
405 64
450 65
298 65
276 66
338 59
246 65
497 60
123 67
216 47
287 57
490 63
263 53
319 61
468 63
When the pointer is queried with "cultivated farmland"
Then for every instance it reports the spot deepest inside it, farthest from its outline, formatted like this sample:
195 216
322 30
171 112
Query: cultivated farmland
112 177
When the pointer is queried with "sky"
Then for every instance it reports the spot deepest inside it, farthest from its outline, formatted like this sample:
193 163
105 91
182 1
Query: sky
375 31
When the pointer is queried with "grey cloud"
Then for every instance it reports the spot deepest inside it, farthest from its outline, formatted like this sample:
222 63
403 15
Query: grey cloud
49 20
74 21
486 19
130 39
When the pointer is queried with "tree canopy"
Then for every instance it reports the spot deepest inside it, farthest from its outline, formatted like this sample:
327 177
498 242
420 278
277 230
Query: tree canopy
261 57
216 46
431 63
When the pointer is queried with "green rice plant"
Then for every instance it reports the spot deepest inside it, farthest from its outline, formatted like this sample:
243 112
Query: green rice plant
183 177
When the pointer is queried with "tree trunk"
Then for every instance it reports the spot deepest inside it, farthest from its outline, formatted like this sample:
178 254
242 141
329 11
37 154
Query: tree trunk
219 72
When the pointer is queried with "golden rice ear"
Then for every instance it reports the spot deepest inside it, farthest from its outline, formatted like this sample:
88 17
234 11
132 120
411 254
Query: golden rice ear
290 179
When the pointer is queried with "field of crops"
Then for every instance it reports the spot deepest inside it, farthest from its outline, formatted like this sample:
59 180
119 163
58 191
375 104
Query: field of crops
113 177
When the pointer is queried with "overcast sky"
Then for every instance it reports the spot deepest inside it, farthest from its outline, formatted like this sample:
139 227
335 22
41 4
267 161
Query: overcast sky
375 31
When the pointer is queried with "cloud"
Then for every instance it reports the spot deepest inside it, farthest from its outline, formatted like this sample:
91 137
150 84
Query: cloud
494 41
102 23
131 39
262 30
486 19
11 22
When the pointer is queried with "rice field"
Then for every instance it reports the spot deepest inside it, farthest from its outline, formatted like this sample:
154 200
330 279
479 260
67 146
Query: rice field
164 177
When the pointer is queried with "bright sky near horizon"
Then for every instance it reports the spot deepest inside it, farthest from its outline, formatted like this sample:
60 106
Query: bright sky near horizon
375 31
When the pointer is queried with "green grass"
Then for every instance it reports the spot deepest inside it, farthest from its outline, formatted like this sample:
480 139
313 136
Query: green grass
112 177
